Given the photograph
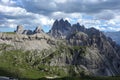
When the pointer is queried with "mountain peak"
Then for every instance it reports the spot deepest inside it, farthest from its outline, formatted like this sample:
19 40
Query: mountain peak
61 20
77 27
56 21
83 49
60 28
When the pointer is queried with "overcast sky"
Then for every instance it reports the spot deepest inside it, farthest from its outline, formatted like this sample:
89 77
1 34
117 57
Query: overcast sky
101 14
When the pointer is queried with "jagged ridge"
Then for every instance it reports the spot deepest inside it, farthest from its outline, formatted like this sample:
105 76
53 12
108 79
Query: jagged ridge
72 49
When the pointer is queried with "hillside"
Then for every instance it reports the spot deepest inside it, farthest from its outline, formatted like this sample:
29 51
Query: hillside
65 51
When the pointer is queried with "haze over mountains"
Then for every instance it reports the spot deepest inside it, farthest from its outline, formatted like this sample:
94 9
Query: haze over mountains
114 35
69 49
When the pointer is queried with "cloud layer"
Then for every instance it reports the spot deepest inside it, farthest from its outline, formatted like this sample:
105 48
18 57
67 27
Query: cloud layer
101 14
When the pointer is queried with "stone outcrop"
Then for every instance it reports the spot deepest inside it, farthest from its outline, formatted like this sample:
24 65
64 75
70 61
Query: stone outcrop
101 58
28 32
77 27
20 29
37 41
38 30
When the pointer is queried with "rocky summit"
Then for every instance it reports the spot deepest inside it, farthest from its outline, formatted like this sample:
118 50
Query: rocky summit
20 30
66 50
60 29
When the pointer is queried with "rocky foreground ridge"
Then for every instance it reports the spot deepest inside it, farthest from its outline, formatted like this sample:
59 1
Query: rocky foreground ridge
70 49
27 39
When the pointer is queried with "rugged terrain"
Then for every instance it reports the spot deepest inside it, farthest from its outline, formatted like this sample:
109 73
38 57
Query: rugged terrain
66 50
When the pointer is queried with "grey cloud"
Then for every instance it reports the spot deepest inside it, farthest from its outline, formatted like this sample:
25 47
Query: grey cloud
46 7
100 9
39 6
49 6
106 15
7 16
78 6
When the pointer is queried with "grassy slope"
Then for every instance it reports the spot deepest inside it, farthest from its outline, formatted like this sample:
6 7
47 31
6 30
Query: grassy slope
11 65
24 64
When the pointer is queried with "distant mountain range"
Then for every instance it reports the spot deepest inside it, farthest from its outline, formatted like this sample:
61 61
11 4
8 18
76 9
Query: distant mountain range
114 35
66 50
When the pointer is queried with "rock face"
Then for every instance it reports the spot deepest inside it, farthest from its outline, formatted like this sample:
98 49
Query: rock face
78 38
101 57
20 29
38 30
63 28
77 27
27 39
27 42
28 32
102 54
87 50
60 29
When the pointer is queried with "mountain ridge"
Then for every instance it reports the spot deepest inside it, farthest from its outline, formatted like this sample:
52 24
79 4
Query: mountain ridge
70 49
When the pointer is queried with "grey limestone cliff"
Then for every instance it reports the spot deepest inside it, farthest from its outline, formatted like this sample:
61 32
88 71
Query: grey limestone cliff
70 48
